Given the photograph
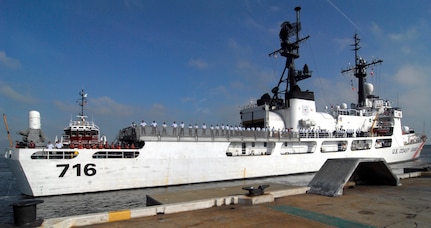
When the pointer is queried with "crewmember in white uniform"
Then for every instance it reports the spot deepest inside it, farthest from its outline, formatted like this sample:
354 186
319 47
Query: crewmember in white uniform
50 145
154 126
182 128
174 128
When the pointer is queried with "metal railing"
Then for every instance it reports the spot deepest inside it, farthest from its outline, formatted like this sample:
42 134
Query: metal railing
159 133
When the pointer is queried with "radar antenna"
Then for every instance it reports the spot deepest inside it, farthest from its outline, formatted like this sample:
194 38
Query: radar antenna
290 40
360 70
82 101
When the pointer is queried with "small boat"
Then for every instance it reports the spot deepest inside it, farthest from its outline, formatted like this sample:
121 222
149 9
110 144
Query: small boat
280 134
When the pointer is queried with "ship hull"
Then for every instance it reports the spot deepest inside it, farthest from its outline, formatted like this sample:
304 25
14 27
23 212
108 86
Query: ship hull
164 163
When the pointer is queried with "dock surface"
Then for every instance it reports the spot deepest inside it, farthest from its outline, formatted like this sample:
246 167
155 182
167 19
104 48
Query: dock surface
407 205
202 194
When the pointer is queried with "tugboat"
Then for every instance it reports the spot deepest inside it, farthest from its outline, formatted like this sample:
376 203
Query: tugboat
280 134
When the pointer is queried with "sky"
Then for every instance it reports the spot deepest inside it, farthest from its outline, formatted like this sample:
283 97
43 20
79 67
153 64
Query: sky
200 61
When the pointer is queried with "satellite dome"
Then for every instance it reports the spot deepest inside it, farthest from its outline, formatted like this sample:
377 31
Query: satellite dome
369 88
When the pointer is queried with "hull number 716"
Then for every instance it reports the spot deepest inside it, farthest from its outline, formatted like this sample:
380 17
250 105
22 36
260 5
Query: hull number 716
88 169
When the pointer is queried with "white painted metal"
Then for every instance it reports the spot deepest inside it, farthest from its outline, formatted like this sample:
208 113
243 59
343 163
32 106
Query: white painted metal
171 163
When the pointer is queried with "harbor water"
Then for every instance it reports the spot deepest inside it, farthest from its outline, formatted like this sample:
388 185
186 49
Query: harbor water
67 205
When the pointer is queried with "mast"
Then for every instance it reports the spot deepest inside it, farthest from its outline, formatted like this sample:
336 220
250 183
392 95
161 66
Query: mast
82 101
360 71
290 50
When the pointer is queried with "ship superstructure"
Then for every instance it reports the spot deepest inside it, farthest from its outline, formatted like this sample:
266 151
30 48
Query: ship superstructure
81 132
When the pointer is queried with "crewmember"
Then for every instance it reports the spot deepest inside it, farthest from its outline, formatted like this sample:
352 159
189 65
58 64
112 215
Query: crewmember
31 144
58 145
164 128
50 145
182 128
154 126
174 128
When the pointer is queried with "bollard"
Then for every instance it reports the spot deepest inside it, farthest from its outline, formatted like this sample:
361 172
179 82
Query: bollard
24 212
256 191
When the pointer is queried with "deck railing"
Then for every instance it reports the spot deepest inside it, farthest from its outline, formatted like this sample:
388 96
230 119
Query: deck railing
160 133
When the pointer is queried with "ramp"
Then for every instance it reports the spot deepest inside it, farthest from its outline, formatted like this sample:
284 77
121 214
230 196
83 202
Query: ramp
335 173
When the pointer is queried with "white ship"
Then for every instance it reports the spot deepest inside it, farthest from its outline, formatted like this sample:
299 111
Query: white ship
281 134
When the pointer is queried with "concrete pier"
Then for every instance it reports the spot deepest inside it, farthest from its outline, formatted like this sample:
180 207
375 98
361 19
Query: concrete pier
231 193
406 205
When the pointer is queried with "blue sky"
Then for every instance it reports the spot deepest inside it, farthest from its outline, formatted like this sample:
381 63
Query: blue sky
199 61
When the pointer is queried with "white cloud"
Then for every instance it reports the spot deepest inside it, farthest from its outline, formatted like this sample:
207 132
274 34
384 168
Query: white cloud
342 43
408 35
233 44
198 63
413 81
102 106
8 61
253 24
330 93
106 106
10 92
412 76
238 50
376 30
273 9
219 91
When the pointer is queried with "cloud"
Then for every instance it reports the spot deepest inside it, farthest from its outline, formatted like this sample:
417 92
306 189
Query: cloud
251 23
198 63
187 99
219 91
342 43
107 106
233 44
408 35
412 94
14 95
238 50
376 30
331 93
8 61
273 9
102 106
414 84
253 76
411 76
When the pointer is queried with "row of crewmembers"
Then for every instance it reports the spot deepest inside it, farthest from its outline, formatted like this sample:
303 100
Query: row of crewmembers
226 130
214 130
